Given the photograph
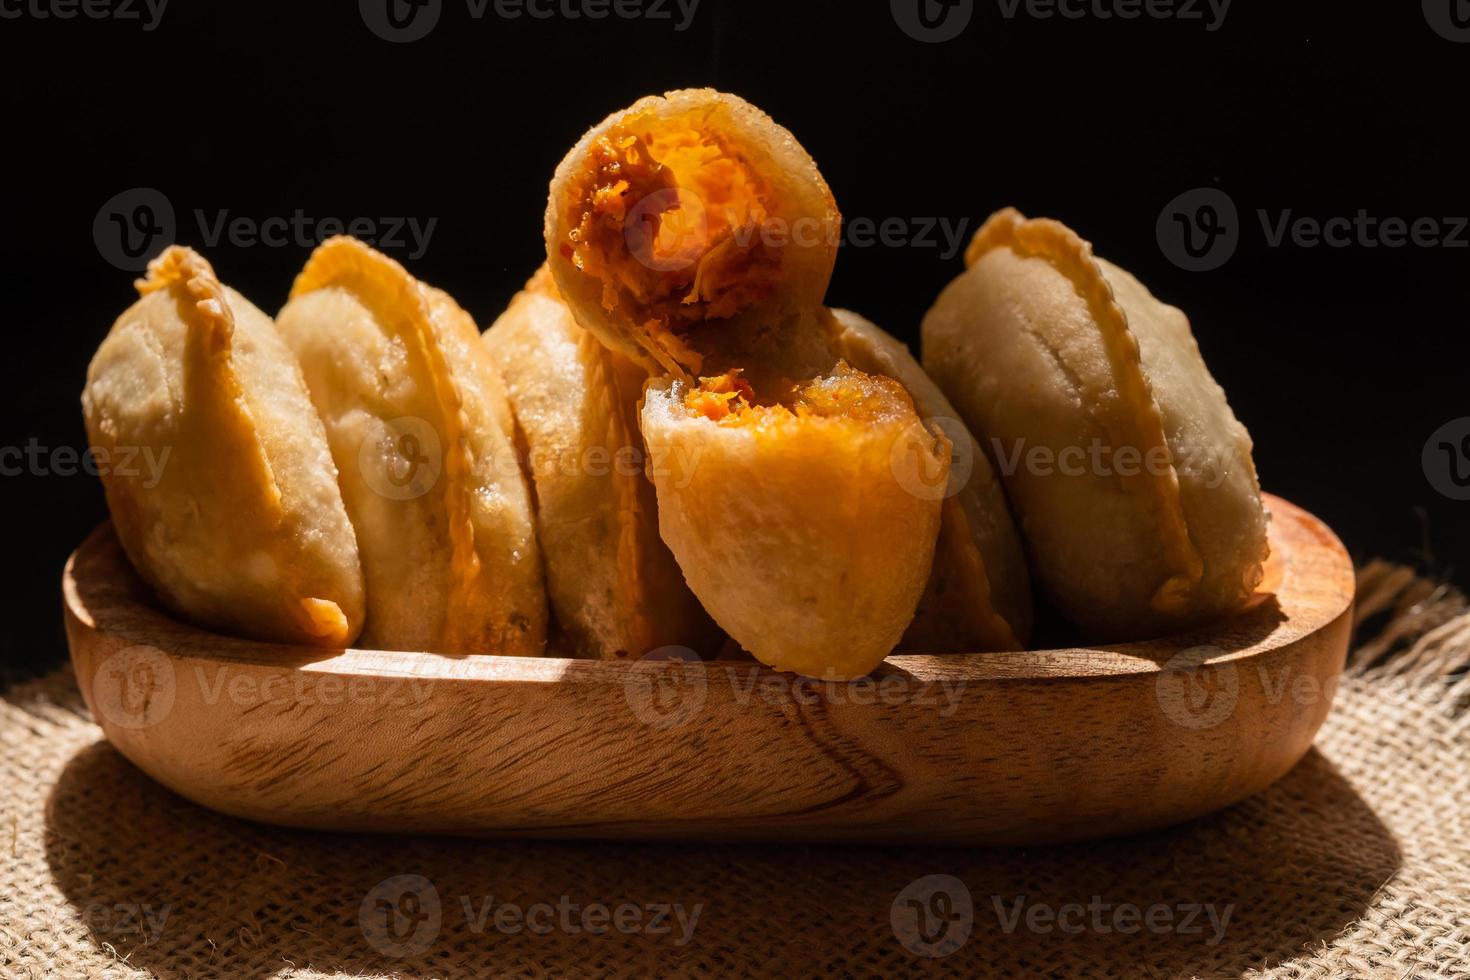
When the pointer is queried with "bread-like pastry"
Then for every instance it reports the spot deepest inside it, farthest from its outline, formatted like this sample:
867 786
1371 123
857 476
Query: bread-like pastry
419 426
218 476
693 235
688 209
797 523
1132 480
614 587
979 592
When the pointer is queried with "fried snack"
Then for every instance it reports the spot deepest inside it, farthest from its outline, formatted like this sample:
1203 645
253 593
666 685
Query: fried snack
798 523
979 592
614 586
1131 477
419 426
696 237
235 520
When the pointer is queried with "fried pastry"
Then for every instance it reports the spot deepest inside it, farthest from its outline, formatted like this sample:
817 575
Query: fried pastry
979 592
419 426
1130 476
693 235
238 523
614 587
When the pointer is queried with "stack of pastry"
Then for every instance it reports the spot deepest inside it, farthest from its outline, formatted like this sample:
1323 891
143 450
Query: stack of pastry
668 440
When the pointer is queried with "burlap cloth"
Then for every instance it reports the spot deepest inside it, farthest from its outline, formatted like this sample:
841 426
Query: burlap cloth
1355 864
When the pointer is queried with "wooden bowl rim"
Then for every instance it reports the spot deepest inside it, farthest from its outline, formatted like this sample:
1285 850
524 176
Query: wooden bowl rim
108 596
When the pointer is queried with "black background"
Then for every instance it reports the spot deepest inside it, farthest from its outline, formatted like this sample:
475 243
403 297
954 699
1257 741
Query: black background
1341 361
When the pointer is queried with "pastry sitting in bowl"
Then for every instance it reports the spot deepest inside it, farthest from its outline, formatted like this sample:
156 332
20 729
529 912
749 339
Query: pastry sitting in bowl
1132 480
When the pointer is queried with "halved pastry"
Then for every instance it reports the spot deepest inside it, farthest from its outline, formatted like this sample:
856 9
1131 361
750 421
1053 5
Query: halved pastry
419 426
1131 477
216 467
614 587
979 592
693 235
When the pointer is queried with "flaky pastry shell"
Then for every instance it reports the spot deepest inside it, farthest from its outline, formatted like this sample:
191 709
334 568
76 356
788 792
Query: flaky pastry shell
216 467
1131 478
419 426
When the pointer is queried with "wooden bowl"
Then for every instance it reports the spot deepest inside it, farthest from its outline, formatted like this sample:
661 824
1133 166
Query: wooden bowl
1009 748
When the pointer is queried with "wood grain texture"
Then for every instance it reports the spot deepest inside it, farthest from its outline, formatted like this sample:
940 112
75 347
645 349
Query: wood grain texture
1012 748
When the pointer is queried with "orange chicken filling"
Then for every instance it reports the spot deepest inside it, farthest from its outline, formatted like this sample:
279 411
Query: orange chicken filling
845 393
671 224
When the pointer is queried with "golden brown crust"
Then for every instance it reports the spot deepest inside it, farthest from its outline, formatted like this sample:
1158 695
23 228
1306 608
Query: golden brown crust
1141 423
391 290
218 532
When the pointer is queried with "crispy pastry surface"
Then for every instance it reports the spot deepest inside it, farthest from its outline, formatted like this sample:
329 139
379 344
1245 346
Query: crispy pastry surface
216 468
696 237
614 586
1130 476
979 592
419 426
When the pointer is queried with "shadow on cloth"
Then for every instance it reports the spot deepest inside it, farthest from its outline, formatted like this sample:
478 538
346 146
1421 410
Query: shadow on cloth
178 890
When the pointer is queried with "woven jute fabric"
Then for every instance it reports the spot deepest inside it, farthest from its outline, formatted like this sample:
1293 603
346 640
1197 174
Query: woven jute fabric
1356 864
